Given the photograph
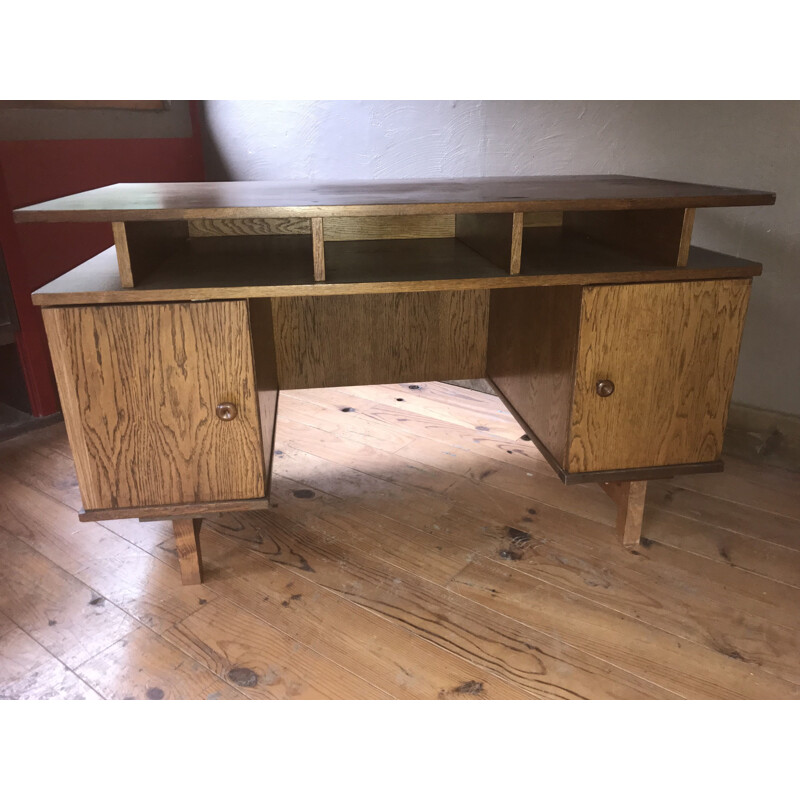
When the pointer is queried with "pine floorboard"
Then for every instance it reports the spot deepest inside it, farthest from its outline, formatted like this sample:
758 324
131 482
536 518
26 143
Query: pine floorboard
417 548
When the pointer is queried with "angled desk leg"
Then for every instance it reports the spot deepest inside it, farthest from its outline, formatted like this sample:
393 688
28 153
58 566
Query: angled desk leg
187 541
629 499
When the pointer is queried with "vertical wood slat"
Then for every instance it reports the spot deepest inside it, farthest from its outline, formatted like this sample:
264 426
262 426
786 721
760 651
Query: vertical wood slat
686 237
517 226
318 244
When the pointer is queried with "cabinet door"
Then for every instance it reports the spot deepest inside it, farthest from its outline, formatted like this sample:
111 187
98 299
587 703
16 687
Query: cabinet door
670 351
140 385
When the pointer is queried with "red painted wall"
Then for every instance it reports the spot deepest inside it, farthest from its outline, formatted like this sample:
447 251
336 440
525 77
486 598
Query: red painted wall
33 171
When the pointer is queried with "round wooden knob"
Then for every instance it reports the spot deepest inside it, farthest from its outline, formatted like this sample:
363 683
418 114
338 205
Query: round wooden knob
226 411
605 388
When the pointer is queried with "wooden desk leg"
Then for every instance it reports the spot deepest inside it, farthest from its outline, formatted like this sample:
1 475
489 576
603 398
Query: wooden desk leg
629 498
188 545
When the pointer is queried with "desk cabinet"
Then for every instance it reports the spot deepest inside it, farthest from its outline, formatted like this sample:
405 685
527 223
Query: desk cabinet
610 338
667 353
159 401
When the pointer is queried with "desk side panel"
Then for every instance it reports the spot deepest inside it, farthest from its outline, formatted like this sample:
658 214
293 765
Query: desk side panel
533 335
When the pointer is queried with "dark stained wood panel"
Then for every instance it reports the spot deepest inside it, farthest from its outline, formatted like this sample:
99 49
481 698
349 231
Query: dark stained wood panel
368 339
370 267
247 199
655 235
533 340
139 385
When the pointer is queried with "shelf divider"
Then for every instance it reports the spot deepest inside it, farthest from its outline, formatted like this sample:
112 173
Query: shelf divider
318 245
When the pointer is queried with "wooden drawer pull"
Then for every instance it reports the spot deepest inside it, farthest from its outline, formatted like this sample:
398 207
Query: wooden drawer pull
605 388
226 411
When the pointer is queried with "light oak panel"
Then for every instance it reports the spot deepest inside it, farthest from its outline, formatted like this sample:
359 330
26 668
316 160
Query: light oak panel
201 228
139 385
349 340
671 351
420 226
318 247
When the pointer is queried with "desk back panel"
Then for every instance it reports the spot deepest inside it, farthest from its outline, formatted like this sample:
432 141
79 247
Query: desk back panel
349 340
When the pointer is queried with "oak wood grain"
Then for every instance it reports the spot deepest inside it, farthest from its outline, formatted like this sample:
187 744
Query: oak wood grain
671 351
264 226
533 341
336 341
417 226
248 199
516 243
629 497
318 245
139 386
187 543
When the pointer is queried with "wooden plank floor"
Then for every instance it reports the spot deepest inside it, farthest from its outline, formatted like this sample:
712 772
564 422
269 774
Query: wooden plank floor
418 548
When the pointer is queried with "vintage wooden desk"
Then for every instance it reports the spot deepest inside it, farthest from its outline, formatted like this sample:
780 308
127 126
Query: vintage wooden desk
612 341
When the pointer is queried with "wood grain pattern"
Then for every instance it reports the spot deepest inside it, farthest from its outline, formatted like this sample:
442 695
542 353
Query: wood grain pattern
248 199
54 607
516 243
629 498
143 246
707 606
261 661
139 386
365 267
671 350
187 543
143 666
318 245
490 235
265 368
533 340
170 511
686 237
654 235
264 226
418 226
337 341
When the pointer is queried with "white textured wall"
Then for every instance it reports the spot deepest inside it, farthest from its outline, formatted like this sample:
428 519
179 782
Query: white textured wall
746 144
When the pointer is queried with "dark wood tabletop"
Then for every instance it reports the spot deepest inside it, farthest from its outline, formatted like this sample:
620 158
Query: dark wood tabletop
166 201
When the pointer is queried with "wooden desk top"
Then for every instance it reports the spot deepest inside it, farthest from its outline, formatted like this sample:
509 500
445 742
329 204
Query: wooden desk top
239 200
